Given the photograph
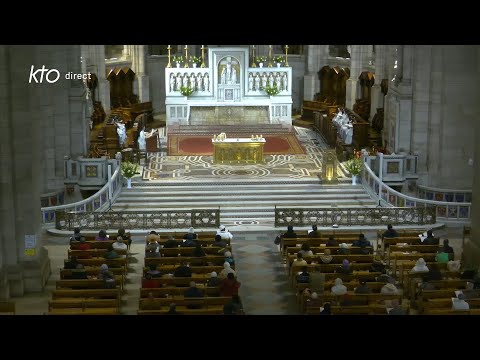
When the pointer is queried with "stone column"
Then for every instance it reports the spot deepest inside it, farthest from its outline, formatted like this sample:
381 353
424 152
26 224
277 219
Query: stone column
103 83
355 71
377 97
142 81
317 56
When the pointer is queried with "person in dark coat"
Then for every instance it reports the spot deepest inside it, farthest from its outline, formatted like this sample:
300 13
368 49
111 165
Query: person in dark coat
290 233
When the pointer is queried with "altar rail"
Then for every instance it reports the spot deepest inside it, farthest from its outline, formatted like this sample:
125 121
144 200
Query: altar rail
454 211
97 202
395 168
133 220
354 216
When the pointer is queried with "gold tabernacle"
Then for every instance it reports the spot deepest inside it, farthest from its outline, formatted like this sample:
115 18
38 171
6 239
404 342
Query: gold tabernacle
238 151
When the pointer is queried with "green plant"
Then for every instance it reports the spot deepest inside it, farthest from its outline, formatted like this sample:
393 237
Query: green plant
177 58
129 169
195 60
186 90
260 59
354 165
272 90
278 59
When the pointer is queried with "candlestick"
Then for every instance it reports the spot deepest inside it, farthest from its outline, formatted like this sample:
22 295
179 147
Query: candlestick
186 57
286 55
169 65
254 64
203 57
270 64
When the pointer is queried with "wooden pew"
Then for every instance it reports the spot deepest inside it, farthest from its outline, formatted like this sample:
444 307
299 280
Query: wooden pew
94 244
182 310
200 279
7 308
205 302
88 283
373 309
400 257
120 262
192 260
321 249
82 303
313 242
336 259
187 251
175 291
91 271
451 312
93 253
83 311
195 269
86 293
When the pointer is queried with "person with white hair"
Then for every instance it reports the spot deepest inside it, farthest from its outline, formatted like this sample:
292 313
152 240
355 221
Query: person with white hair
214 280
459 303
338 288
119 244
190 235
229 258
226 270
397 309
107 276
389 288
224 233
420 266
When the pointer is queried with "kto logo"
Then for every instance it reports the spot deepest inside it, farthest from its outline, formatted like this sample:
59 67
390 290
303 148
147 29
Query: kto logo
51 78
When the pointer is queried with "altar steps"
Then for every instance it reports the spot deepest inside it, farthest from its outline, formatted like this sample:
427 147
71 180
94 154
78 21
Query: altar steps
241 202
230 130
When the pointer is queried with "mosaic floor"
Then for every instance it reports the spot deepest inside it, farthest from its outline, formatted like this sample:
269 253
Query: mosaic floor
158 166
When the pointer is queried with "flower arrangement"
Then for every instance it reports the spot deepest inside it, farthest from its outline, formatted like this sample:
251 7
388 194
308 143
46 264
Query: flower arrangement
260 59
177 58
186 90
279 59
129 169
195 60
272 90
354 165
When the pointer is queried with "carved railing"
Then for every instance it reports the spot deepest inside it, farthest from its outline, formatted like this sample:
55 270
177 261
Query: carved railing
110 220
448 195
454 211
97 202
354 216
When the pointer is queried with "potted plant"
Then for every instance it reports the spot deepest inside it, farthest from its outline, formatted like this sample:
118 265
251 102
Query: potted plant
279 60
177 59
186 90
272 90
260 60
196 61
129 170
354 166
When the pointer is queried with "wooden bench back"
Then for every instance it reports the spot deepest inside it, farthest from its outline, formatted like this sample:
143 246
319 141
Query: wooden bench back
176 291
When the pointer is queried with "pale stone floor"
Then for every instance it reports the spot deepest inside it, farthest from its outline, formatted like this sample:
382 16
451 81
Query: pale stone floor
265 288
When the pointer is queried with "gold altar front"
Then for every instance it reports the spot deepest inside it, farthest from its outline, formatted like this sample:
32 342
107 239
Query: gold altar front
238 151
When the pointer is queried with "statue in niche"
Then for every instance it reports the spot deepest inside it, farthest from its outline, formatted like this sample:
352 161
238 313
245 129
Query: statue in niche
185 80
228 74
257 82
172 82
192 80
199 82
122 133
206 82
278 81
270 80
233 79
223 76
264 81
284 81
178 82
250 82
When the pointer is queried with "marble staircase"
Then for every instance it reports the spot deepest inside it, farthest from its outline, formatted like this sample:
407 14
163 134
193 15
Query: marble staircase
241 201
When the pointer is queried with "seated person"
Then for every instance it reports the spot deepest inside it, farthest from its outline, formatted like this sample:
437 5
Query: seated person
390 232
102 236
233 307
152 249
191 235
79 272
198 251
188 243
153 271
326 257
224 233
362 241
305 250
389 288
338 288
119 244
303 277
149 282
111 253
229 258
344 250
314 233
229 286
125 236
363 288
76 235
397 309
193 292
219 242
459 303
107 276
346 268
331 242
430 239
83 245
298 263
183 271
153 237
448 249
72 263
420 266
290 233
214 280
442 256
170 243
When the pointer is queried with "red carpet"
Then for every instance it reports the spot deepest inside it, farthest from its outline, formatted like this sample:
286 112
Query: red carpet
202 145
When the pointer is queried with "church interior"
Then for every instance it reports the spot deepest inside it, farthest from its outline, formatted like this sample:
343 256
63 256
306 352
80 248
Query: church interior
239 179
